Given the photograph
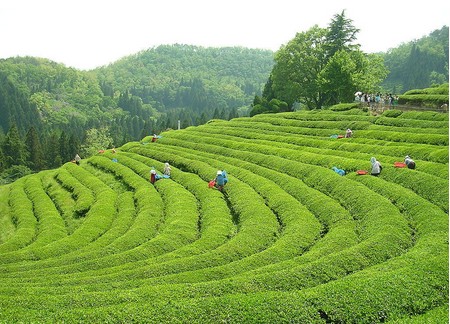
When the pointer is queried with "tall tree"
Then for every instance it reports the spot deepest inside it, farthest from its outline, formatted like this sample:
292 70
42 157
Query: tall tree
341 35
14 150
64 147
347 72
96 139
52 155
2 139
233 113
297 67
35 154
73 146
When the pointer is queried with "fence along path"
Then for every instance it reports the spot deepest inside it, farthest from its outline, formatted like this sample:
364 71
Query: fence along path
285 228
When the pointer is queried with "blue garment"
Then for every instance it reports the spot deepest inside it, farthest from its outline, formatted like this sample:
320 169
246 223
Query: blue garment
338 171
225 177
220 180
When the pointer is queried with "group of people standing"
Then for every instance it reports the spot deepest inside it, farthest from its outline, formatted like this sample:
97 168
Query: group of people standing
376 100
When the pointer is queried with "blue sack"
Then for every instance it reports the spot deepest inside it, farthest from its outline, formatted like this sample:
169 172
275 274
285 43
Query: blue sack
225 176
338 171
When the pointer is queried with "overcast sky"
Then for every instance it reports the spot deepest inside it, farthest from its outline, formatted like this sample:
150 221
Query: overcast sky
85 34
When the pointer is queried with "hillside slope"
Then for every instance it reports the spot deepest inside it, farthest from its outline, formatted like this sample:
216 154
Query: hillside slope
287 240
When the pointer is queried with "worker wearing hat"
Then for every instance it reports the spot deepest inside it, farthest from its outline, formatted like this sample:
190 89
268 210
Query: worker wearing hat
410 162
220 180
152 176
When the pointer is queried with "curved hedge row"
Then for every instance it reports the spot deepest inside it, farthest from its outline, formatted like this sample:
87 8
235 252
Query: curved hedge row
287 240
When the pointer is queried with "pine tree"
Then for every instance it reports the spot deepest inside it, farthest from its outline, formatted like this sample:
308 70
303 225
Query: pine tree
35 155
14 151
52 157
233 113
73 146
64 147
341 34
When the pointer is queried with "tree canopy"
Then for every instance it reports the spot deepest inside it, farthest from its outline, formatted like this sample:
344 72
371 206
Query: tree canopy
322 67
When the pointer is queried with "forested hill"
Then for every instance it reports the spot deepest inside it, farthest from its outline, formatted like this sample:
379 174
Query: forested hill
200 78
419 63
166 83
48 111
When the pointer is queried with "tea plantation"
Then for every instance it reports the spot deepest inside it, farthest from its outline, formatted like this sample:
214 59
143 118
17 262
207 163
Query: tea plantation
288 240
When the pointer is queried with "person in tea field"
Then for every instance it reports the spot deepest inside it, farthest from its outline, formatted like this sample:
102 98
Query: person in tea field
376 167
77 159
152 176
348 133
410 162
221 179
167 169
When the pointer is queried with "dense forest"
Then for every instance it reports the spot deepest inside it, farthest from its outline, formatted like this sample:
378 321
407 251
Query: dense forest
418 64
49 112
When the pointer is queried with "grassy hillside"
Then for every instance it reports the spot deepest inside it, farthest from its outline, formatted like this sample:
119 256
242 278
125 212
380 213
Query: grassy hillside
288 240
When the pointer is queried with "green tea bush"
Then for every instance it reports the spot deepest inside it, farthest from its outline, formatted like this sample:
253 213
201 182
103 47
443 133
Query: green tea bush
392 113
83 196
423 100
22 217
344 106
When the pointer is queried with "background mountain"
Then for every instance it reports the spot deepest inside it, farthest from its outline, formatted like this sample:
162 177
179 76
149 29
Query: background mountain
419 63
164 83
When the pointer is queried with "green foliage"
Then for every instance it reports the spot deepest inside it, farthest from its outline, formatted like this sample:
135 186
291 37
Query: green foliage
428 97
296 69
321 67
261 105
287 240
419 63
13 149
96 140
6 222
344 106
136 96
392 113
439 90
13 173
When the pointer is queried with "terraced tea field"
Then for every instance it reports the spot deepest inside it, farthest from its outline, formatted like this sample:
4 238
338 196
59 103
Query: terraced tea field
288 240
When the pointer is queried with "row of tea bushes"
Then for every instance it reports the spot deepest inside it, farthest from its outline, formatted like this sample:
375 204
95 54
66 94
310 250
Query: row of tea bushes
83 196
427 152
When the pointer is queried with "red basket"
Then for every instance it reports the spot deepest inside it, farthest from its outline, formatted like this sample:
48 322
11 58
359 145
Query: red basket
399 164
361 172
211 184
